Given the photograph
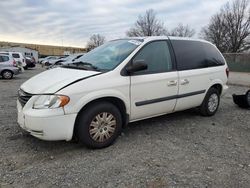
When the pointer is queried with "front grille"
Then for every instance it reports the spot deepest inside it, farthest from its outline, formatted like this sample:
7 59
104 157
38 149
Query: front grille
23 97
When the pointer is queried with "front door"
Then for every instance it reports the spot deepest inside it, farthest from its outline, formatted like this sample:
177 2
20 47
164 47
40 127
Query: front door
153 91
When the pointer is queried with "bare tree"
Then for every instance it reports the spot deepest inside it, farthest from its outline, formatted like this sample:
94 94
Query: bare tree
215 32
95 41
182 31
230 28
147 25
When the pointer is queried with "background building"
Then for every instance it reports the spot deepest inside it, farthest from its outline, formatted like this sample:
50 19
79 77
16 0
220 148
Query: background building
42 50
25 51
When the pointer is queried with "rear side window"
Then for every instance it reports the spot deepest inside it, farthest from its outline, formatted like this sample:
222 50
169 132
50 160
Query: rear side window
4 58
16 55
213 57
196 55
157 56
189 54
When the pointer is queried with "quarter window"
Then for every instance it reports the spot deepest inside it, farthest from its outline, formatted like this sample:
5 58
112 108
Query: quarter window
157 56
213 57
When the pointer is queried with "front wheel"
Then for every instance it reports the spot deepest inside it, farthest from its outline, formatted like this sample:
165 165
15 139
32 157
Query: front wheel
210 103
99 125
7 74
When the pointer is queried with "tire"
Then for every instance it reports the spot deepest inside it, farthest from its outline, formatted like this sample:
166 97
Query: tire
91 128
26 67
7 74
210 103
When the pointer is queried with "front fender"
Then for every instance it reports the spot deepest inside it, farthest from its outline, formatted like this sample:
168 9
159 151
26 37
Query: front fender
77 104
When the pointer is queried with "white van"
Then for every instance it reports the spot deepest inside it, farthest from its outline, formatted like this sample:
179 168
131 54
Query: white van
122 81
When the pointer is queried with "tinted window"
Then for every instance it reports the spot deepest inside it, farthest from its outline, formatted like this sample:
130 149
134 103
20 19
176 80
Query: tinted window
213 57
157 56
4 58
16 55
189 54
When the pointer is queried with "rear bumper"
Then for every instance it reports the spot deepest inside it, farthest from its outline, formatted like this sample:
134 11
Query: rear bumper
46 127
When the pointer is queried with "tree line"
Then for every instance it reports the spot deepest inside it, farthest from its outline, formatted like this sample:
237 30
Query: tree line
228 29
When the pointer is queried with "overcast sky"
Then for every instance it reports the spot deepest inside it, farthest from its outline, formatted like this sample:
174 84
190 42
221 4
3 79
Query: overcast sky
72 22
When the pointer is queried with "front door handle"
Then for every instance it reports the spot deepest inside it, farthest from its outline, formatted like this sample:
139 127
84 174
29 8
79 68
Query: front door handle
172 83
184 82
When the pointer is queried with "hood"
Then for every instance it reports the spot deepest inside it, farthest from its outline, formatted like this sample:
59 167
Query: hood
52 80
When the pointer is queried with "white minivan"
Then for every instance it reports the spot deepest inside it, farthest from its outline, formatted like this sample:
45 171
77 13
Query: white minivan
119 82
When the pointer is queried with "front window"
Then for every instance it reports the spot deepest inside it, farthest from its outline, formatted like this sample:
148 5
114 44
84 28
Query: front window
109 55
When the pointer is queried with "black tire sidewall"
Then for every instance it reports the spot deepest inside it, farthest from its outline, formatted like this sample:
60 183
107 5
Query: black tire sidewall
85 118
5 77
204 107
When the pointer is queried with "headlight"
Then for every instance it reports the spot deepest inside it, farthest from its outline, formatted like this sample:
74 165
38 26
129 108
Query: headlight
50 101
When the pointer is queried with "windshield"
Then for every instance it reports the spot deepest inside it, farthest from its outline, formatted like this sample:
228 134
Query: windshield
110 54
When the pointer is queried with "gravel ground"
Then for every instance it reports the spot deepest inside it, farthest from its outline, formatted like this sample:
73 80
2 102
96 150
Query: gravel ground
177 150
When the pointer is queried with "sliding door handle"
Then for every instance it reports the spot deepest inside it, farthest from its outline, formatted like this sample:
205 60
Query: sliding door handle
172 83
184 82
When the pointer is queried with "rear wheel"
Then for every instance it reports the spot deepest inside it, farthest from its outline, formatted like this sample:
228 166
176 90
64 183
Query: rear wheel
99 125
210 103
6 74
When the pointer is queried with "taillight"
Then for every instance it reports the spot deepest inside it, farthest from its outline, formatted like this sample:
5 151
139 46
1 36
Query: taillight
227 72
14 63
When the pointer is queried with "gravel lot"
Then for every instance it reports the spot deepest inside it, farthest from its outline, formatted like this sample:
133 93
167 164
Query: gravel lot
177 150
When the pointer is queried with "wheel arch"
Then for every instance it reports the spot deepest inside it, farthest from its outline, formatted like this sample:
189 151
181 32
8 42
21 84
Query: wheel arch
6 70
217 84
119 103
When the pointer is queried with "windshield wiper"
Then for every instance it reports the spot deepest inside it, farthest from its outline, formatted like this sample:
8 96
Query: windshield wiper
84 65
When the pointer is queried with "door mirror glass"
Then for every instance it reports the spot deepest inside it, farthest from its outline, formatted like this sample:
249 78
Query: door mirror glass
137 65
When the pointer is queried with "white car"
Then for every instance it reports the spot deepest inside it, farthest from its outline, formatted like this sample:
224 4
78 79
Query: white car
18 56
122 81
72 58
8 66
45 61
65 60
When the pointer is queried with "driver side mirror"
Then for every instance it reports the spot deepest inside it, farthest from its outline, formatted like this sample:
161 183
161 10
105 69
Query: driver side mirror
136 66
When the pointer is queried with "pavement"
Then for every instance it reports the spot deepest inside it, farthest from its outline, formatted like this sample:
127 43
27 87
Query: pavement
239 78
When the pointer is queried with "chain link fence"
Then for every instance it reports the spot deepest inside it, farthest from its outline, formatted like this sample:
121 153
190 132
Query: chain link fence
238 62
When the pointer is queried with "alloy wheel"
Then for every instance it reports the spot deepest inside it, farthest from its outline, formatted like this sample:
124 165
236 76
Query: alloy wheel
213 102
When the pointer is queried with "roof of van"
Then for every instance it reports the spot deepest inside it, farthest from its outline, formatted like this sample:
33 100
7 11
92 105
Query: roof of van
151 38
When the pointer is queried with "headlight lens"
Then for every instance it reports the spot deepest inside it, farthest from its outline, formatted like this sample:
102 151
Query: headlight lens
50 101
